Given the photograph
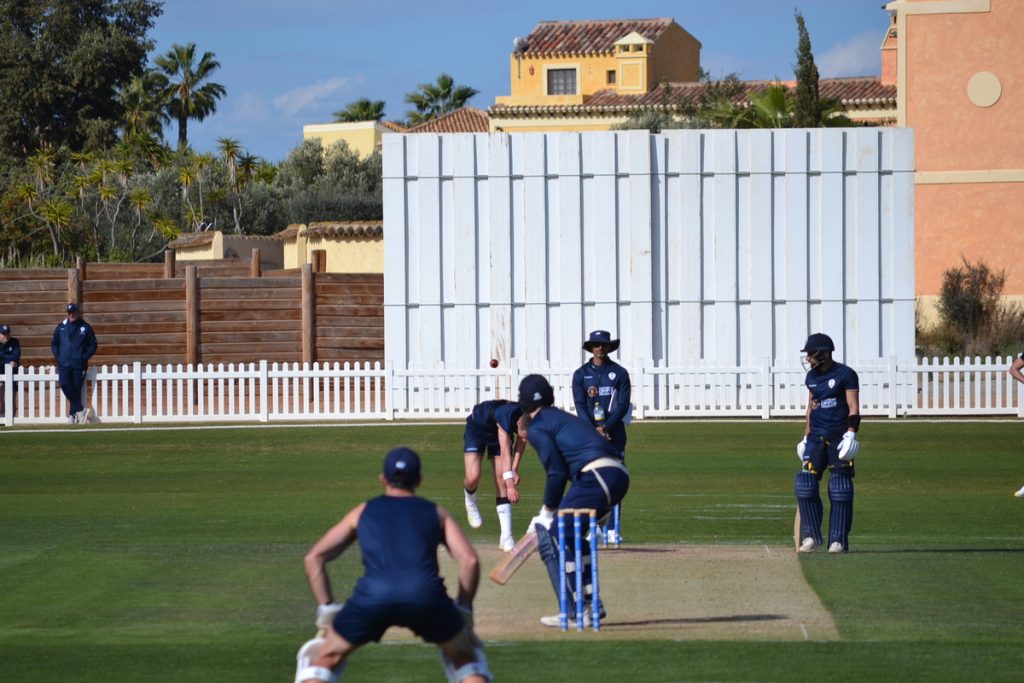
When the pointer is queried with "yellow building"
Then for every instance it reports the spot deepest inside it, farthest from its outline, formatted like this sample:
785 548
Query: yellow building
593 75
348 246
363 137
215 245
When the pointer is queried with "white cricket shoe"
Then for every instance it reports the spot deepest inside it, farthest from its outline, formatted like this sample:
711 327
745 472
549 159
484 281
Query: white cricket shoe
473 513
72 418
507 543
1020 492
555 621
613 538
82 416
807 546
836 548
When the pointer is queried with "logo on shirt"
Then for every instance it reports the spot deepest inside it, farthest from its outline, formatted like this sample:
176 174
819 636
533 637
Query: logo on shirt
831 384
611 375
591 392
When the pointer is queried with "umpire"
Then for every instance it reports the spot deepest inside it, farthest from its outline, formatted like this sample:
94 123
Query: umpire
73 344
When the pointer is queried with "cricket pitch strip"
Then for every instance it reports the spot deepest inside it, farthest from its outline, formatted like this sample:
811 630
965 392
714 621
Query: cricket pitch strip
661 592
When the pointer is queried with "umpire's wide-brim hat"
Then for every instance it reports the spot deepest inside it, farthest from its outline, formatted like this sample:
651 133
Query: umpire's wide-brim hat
602 337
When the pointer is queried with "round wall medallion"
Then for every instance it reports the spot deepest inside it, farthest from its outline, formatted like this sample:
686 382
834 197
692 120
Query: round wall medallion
984 89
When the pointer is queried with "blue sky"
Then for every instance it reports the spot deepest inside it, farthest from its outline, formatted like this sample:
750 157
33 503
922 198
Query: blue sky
286 64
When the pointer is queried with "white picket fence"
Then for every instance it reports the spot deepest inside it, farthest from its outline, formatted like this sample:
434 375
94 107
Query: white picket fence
271 392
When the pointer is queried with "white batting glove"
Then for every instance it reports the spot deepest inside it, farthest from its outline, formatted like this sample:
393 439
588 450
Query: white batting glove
800 448
544 518
325 614
849 446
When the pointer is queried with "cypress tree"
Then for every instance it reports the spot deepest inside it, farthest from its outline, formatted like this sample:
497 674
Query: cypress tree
807 105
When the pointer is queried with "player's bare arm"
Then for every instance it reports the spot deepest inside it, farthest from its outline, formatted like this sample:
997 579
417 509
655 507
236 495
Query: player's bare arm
853 403
331 545
465 557
504 467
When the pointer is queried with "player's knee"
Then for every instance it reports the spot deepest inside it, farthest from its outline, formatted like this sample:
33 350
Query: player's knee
840 487
805 485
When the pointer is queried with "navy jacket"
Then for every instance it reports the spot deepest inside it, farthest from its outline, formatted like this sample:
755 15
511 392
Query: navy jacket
10 353
73 344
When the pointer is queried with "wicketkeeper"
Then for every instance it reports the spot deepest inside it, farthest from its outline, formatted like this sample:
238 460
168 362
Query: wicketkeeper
570 450
830 441
399 534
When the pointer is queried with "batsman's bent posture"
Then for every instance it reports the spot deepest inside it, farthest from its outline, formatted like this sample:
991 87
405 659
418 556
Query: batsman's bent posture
491 430
570 450
830 440
1017 372
399 534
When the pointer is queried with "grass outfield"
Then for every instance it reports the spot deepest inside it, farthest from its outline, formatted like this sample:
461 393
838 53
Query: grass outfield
175 555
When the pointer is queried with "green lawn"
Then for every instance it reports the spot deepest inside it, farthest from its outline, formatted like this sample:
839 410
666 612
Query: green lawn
167 555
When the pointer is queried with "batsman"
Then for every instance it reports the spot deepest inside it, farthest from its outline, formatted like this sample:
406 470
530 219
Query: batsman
830 441
569 450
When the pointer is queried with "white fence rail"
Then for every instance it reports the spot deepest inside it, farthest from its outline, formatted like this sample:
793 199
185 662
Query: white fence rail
265 392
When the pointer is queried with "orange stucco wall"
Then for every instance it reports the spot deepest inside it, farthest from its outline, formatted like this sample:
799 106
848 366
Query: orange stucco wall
979 222
970 159
943 52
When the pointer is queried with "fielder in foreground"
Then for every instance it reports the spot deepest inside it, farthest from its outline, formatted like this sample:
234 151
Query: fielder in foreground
491 430
570 450
830 440
399 534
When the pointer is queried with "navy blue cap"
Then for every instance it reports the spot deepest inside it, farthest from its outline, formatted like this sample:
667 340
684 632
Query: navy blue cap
402 467
72 308
535 390
5 329
602 337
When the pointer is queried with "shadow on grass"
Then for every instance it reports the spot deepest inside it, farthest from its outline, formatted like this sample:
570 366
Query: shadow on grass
732 618
885 551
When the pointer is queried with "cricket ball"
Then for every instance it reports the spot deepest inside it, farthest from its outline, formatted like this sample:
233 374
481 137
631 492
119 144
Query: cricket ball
494 362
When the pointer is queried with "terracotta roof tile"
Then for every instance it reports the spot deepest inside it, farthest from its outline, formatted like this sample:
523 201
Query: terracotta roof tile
587 37
464 120
191 239
291 232
344 229
393 126
855 92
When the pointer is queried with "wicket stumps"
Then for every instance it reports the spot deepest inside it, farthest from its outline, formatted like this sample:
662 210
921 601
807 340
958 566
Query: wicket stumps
578 514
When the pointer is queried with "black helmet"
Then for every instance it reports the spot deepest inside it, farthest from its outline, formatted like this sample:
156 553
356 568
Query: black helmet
818 341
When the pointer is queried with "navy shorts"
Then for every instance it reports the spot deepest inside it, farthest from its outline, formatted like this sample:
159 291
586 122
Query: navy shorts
435 622
479 441
823 453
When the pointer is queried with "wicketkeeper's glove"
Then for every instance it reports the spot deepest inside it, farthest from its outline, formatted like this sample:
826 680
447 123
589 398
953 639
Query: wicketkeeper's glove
849 446
325 614
800 448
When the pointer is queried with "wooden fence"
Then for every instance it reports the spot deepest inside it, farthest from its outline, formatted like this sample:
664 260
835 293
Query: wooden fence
200 312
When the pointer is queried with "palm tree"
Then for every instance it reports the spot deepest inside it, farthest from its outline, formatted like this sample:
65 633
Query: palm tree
363 109
435 99
186 96
143 104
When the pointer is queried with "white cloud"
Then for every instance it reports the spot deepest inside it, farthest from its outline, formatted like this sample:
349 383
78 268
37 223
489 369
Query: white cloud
308 96
857 56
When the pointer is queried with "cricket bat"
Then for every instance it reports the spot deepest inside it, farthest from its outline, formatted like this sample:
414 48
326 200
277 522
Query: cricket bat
796 530
514 559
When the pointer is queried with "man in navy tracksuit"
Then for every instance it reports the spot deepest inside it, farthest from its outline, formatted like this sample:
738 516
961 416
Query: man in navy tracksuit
601 390
10 354
73 344
569 450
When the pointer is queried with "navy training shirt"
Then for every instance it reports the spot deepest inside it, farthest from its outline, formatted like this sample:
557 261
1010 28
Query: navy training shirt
564 444
398 537
829 410
488 415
